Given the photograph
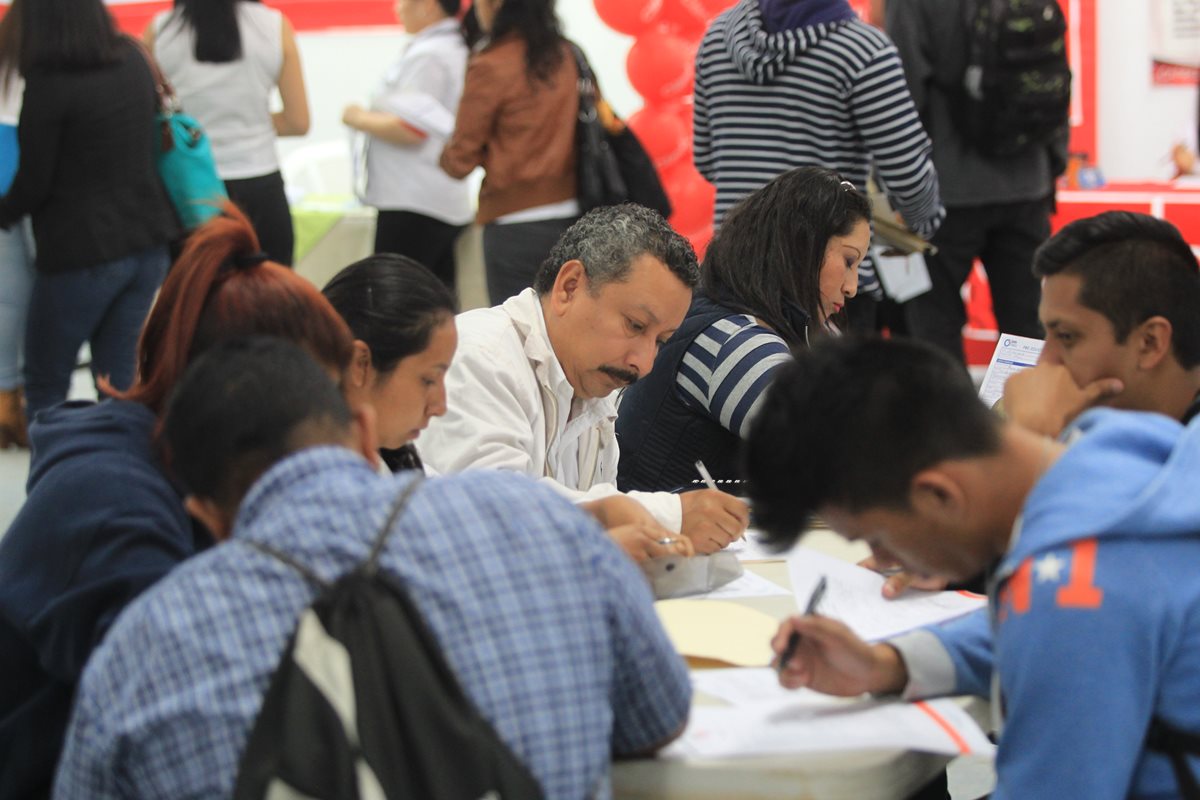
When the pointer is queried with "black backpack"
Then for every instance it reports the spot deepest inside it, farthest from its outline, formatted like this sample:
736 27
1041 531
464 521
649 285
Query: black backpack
1177 745
1016 90
363 704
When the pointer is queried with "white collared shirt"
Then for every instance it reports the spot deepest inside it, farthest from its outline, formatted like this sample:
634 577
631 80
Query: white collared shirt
510 408
422 88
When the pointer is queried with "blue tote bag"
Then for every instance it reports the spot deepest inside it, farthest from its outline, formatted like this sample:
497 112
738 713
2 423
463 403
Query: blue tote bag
184 156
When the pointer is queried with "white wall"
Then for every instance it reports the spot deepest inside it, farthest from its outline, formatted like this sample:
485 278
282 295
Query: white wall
1138 122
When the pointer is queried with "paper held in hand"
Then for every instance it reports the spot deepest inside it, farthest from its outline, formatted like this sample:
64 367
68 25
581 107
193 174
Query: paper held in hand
1012 354
855 597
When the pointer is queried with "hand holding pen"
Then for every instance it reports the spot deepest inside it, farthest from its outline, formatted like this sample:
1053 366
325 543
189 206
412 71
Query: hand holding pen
821 653
814 602
712 518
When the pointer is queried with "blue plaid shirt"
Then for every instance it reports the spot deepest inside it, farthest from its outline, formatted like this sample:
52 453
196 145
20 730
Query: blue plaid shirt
549 627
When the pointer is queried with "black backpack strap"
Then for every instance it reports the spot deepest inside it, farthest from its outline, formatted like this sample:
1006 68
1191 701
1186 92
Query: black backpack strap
278 555
1176 745
371 565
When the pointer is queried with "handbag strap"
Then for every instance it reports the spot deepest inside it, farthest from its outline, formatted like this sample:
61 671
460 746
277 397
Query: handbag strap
168 101
587 85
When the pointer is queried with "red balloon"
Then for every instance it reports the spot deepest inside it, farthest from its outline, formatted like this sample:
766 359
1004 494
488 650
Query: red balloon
661 66
663 133
691 198
688 18
715 7
700 240
631 17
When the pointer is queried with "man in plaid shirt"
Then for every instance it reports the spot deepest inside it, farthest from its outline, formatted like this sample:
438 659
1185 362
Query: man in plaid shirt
548 627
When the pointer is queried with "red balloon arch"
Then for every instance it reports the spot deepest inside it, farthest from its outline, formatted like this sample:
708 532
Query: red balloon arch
661 66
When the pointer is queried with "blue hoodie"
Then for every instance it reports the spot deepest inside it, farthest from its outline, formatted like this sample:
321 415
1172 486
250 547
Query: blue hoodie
101 523
1095 615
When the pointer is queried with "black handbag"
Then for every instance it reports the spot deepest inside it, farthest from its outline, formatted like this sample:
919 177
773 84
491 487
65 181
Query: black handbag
611 168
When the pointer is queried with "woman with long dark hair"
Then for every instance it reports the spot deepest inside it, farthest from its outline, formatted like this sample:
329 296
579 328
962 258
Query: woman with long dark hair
16 244
517 120
778 272
225 58
402 318
87 177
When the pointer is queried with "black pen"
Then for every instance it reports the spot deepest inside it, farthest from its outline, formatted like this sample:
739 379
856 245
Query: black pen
814 600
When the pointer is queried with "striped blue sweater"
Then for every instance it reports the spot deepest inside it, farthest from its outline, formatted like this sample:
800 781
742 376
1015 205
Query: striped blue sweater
830 95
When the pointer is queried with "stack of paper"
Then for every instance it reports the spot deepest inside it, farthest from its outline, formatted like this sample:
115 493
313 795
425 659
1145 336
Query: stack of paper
803 726
855 597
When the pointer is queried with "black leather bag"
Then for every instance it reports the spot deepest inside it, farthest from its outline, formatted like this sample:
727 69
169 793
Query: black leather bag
611 168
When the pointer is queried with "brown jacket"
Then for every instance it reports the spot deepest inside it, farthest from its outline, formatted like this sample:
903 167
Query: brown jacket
521 131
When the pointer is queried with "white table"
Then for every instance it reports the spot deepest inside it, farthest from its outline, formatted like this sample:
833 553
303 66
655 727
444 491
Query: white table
866 775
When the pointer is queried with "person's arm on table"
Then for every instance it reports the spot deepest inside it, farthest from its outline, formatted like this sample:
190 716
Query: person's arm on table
635 530
831 658
930 662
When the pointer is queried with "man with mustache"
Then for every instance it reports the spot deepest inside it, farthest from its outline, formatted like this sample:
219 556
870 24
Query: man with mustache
531 387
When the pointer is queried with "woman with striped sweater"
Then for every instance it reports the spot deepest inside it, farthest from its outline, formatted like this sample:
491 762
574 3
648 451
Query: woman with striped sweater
778 273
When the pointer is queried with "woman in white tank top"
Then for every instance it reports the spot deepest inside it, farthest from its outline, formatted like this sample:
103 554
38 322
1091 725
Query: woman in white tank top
224 58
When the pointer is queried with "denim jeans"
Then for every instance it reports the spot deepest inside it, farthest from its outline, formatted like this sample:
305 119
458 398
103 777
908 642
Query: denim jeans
16 282
105 305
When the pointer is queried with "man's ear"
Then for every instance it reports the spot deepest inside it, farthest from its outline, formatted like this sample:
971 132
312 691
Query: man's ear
211 515
935 494
359 371
571 281
364 433
1154 338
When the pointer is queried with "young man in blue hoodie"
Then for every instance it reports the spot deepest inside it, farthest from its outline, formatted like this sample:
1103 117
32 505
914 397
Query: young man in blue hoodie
1077 541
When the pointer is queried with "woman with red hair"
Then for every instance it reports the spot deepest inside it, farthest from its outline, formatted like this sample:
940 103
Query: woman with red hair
104 519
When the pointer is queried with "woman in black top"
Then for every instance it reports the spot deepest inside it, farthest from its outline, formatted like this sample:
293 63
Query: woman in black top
87 177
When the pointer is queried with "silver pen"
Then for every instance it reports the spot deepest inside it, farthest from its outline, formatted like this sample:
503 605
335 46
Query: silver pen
708 479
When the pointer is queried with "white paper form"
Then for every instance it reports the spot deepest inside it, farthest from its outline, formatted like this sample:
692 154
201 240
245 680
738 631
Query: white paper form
747 686
936 726
749 585
1012 354
753 548
854 596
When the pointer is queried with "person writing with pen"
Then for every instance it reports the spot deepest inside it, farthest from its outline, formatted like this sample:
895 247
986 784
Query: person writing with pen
1090 665
531 386
776 276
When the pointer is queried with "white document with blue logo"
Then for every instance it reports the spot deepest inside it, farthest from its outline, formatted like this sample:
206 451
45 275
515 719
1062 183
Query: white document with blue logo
1012 354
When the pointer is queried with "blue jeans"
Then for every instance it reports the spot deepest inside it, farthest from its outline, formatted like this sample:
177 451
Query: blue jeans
105 305
16 282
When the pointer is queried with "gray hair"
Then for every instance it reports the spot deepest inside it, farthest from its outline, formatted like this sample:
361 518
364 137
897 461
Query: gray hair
607 240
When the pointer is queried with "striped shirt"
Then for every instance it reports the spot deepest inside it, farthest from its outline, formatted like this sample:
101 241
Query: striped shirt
549 628
727 369
830 95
